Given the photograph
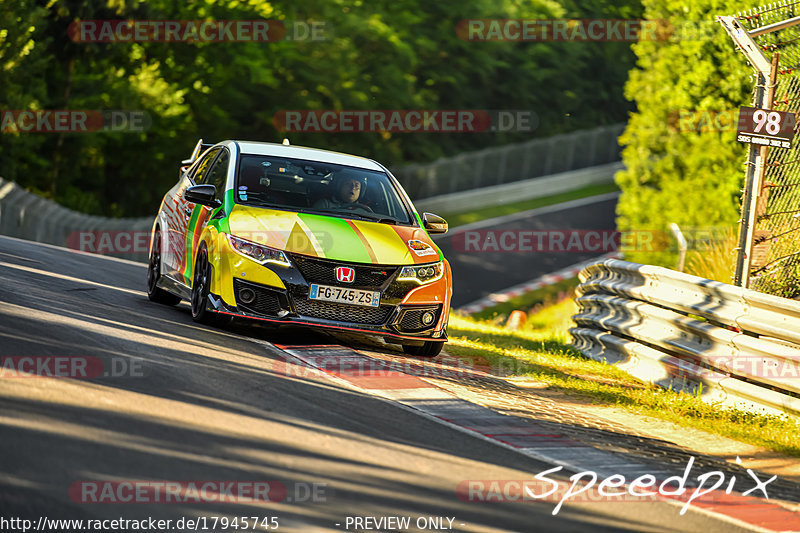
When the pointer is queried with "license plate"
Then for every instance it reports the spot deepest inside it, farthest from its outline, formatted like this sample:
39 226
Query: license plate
344 295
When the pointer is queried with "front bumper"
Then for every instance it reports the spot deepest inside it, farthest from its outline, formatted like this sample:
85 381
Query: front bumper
279 294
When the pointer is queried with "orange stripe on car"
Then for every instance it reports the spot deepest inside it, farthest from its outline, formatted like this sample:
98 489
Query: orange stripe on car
364 241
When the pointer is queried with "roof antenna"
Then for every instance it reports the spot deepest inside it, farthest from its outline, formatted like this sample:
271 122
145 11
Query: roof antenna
286 141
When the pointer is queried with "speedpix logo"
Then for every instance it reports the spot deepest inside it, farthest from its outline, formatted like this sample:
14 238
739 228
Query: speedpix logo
587 486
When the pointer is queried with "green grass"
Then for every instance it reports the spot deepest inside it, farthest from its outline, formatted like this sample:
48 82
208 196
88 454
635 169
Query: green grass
459 219
544 296
541 351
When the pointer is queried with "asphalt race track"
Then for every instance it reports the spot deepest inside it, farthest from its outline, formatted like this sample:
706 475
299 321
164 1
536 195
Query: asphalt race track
479 270
173 401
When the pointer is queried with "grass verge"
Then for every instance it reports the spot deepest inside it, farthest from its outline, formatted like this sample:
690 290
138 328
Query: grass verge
459 219
531 300
541 351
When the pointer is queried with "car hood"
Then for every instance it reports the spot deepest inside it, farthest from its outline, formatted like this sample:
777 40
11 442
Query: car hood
334 238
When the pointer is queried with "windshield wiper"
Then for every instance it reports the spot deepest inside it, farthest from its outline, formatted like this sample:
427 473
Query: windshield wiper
350 214
262 203
380 220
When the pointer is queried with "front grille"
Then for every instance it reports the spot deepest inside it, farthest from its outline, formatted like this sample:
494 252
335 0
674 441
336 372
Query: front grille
267 301
323 271
411 320
342 312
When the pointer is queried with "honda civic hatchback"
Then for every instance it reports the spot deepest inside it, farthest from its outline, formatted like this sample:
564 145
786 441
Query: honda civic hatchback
300 236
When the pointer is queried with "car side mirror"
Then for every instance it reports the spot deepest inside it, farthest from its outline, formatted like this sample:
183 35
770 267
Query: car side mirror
434 223
203 195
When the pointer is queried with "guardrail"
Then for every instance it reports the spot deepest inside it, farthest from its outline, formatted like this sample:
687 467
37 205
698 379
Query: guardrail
594 152
520 191
497 165
727 344
547 161
28 216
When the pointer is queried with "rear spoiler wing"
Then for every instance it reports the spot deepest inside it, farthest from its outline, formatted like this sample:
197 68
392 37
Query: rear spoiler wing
199 148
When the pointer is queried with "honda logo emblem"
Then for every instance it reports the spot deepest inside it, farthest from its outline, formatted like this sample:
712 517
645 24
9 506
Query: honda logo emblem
345 274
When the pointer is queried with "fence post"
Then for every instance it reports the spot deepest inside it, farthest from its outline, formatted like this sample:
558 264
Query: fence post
758 179
766 72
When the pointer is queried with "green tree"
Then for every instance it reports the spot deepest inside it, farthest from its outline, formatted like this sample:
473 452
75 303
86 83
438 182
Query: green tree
674 172
403 54
22 60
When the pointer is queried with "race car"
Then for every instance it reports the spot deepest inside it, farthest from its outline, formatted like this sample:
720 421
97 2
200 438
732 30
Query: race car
300 236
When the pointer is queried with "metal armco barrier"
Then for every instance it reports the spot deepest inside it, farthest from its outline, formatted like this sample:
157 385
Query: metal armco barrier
497 165
27 216
730 345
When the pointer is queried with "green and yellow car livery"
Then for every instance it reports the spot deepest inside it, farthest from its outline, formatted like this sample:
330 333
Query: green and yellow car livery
374 269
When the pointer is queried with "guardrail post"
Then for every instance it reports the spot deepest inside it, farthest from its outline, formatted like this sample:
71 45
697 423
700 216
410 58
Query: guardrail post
478 170
682 246
548 162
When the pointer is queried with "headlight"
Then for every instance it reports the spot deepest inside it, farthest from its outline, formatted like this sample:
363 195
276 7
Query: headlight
258 252
423 273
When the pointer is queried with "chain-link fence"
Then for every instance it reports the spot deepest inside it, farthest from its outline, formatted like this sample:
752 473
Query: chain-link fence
774 262
512 162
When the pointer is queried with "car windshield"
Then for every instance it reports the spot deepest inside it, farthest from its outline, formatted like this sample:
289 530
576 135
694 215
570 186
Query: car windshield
318 187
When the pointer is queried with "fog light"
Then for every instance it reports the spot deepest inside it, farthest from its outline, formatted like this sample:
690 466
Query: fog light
428 318
247 296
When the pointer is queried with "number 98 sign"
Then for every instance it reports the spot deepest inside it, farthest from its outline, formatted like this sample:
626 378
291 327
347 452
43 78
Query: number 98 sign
765 127
771 119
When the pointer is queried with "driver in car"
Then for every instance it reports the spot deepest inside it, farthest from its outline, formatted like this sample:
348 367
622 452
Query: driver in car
347 187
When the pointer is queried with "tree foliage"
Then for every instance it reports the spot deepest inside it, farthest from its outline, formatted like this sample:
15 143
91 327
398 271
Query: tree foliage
683 171
382 55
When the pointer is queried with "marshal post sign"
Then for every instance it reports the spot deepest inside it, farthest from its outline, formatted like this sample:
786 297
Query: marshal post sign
765 127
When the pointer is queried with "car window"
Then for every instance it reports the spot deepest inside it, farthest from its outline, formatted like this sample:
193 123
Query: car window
219 172
318 187
203 166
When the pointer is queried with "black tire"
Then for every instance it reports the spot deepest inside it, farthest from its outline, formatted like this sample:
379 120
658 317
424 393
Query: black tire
200 287
154 292
429 349
201 284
